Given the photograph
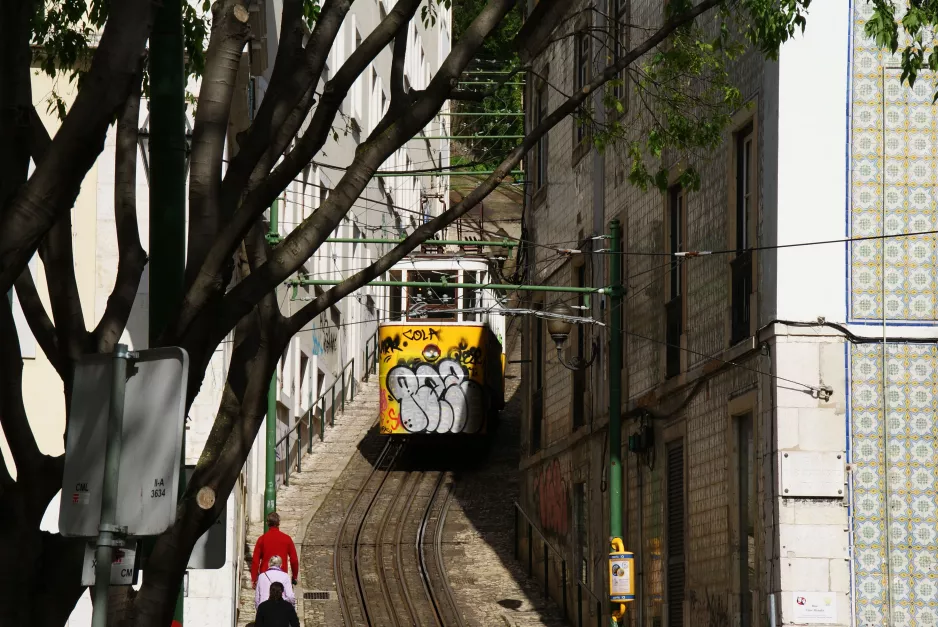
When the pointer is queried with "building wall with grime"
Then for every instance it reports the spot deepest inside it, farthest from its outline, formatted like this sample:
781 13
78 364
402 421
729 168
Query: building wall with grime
704 511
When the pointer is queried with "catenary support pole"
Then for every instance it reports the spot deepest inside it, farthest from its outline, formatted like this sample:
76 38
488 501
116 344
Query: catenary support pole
109 535
270 485
270 469
615 389
167 247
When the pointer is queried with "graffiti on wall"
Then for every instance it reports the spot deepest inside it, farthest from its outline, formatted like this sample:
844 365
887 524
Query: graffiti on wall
438 398
325 340
551 499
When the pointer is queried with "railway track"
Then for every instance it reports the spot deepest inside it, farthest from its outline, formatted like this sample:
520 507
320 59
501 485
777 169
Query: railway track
388 559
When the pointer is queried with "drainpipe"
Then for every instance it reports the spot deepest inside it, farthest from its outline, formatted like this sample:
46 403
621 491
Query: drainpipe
270 478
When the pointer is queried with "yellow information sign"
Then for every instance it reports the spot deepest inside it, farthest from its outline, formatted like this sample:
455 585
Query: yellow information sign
621 574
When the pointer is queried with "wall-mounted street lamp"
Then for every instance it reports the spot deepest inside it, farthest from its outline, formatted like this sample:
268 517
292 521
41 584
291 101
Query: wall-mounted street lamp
559 327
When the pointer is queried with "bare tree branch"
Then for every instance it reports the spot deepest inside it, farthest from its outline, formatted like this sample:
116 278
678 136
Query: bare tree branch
13 420
210 281
54 186
306 239
15 97
58 262
132 259
399 52
39 322
230 32
288 92
59 266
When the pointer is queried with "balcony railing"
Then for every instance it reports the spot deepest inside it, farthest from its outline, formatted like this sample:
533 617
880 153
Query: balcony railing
741 269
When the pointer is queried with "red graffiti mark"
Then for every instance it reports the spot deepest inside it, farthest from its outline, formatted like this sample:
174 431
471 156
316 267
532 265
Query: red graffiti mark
393 419
383 404
550 493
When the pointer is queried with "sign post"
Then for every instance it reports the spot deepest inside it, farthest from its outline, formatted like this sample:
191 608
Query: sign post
109 534
130 407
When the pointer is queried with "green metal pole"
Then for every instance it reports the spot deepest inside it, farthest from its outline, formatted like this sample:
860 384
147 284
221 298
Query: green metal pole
435 242
167 245
615 390
270 485
270 469
481 113
464 137
441 173
472 286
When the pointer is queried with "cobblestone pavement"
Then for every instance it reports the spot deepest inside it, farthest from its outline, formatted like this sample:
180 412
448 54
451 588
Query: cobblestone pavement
490 586
298 502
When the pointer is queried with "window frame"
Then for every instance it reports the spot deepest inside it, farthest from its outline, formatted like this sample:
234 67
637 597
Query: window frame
742 267
744 407
540 156
675 301
582 75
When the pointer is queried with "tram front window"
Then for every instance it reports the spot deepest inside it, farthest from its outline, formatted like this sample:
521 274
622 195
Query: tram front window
431 302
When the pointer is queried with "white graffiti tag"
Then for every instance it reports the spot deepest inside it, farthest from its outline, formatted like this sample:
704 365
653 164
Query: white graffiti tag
437 399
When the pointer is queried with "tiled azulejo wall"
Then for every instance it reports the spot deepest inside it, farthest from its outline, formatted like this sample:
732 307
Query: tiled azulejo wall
894 455
894 432
894 165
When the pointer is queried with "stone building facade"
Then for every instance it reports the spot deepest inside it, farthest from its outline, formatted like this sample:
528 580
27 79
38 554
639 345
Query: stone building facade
756 465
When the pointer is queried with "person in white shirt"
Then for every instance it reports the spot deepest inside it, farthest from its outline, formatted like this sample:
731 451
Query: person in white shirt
269 576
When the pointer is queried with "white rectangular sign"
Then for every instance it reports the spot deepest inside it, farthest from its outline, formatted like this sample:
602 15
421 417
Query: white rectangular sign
813 474
814 607
154 419
122 568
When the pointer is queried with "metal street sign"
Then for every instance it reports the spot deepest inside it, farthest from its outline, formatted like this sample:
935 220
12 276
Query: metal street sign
209 552
153 423
122 567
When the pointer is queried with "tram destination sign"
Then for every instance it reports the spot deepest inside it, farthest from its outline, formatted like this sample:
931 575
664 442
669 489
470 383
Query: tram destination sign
153 423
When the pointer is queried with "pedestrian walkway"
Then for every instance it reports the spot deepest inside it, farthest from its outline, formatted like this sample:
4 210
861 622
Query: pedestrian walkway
298 502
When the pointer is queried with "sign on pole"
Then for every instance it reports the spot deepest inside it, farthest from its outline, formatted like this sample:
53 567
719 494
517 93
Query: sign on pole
122 567
153 423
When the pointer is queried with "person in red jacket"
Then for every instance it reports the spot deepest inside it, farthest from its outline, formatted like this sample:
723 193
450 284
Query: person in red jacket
274 542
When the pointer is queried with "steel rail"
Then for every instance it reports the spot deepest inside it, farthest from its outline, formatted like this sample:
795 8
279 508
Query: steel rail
438 548
379 549
399 545
337 547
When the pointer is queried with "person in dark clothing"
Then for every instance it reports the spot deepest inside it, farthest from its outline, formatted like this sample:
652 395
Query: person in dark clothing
275 611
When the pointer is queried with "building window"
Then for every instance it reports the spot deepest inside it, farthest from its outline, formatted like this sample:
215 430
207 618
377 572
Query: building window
395 294
471 297
674 308
537 402
433 303
747 518
620 34
581 522
581 77
539 158
741 265
674 502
